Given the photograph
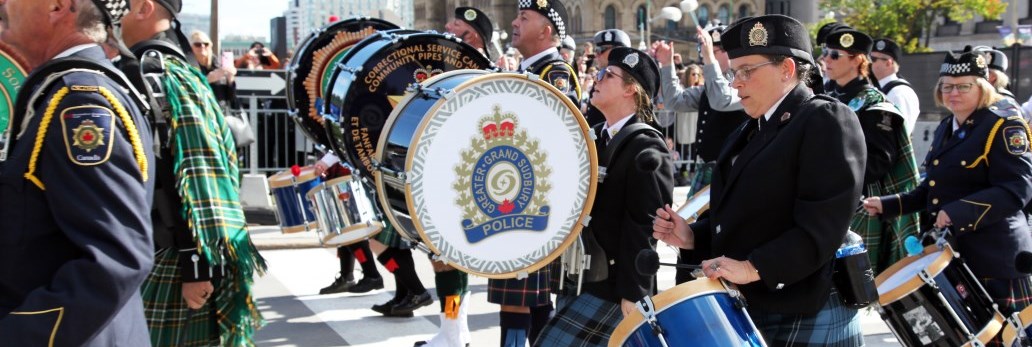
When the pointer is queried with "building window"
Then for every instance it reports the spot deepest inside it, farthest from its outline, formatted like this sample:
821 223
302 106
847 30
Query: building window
610 17
703 13
640 19
724 14
743 11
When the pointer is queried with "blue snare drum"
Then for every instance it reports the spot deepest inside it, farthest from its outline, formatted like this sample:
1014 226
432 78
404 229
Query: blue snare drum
293 210
697 313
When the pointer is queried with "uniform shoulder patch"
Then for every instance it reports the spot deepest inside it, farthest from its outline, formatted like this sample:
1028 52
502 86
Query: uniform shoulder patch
560 79
1016 139
88 134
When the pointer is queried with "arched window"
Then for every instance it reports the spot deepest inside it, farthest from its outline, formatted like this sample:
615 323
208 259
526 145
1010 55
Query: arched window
743 11
724 14
610 17
704 14
639 18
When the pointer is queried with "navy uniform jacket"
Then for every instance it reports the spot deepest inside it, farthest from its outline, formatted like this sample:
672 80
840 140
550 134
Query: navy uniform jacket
786 202
75 242
621 217
554 70
982 193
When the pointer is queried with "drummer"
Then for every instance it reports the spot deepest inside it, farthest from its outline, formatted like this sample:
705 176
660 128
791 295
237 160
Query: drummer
526 304
473 27
783 191
638 178
978 175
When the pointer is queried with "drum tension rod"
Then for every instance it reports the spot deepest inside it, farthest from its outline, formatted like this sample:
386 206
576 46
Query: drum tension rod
648 311
733 292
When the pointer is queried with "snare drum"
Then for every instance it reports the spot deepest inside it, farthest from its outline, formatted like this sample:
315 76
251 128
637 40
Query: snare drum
695 206
934 299
294 212
372 77
495 172
344 212
1016 331
702 312
309 72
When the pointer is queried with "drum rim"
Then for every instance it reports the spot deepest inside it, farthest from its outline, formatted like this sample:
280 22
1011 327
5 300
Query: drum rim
1009 333
914 283
704 190
665 299
485 75
282 179
338 180
291 229
377 228
19 64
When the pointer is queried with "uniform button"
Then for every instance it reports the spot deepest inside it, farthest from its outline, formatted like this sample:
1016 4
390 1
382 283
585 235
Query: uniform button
700 131
718 229
963 162
963 229
935 162
700 141
931 183
703 122
935 213
935 201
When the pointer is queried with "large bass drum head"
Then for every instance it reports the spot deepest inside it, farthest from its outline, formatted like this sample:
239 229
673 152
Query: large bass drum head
501 172
12 76
309 72
372 78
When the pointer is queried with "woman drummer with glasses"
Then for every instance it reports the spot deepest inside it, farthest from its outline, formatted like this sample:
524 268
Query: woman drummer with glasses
784 189
978 178
891 167
638 179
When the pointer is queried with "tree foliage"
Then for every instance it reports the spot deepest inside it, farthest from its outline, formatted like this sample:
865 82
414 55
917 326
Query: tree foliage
909 22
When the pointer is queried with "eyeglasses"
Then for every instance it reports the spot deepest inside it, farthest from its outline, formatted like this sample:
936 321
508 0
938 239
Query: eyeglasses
963 88
604 49
201 44
876 59
744 73
835 55
602 74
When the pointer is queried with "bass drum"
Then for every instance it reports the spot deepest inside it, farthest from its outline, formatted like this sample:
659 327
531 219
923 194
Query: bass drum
309 72
495 172
12 68
372 78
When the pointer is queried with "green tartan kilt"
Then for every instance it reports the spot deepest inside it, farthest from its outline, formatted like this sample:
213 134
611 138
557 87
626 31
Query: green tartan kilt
702 178
390 237
170 321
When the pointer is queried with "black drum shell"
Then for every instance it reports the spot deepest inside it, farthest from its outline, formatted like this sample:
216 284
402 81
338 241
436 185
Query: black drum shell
360 103
298 100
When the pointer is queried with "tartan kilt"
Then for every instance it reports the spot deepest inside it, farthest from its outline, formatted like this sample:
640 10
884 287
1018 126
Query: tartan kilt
1012 295
702 178
586 321
834 325
533 291
170 321
391 238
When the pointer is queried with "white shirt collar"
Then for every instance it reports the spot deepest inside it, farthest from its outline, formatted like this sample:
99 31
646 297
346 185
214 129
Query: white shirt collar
73 50
615 128
887 79
526 63
773 108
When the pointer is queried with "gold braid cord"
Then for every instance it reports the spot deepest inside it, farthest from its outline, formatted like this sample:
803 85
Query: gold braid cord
320 58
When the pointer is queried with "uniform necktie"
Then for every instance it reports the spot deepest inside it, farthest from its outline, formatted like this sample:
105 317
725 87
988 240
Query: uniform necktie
605 139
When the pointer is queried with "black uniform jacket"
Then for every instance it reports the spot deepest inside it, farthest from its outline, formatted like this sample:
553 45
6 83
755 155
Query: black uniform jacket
982 192
786 202
879 127
75 241
714 127
557 72
621 216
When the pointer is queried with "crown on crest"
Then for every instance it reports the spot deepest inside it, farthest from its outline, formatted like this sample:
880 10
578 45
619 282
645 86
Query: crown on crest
499 127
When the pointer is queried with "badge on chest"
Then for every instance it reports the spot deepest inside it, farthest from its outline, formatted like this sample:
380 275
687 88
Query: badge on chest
87 134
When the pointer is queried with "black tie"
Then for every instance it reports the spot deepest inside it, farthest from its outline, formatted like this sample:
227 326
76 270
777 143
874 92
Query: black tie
605 140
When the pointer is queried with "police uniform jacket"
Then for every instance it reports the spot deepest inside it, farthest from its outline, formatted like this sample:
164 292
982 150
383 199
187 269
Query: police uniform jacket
981 191
554 70
75 242
621 218
782 197
720 112
879 128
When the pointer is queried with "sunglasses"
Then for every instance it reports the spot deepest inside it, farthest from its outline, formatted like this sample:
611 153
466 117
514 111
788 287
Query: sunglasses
835 55
201 44
602 74
877 59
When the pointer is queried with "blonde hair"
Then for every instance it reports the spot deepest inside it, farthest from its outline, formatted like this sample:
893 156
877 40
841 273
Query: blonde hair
988 97
865 64
1002 80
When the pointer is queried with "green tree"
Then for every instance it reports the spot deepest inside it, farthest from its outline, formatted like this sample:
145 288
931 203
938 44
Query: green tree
909 22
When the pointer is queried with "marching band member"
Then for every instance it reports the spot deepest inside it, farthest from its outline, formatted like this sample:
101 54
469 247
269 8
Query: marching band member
526 304
784 189
473 27
200 290
885 66
604 41
638 178
978 179
891 167
77 183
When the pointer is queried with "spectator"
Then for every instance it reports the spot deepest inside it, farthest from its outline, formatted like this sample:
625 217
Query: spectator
694 76
258 58
221 78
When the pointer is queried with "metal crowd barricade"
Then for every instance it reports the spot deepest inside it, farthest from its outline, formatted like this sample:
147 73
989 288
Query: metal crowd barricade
279 143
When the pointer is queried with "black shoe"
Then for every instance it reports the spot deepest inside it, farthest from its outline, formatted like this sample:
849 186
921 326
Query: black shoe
366 285
385 308
340 285
412 302
420 343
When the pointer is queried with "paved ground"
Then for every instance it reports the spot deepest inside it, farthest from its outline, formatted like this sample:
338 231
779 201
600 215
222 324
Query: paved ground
297 316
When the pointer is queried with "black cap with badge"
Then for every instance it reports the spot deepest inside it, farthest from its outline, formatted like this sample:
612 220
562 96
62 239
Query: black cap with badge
715 32
612 37
478 20
554 10
968 63
888 47
848 39
640 65
769 34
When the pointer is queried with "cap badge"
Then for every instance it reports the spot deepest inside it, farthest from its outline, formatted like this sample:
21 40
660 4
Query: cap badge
716 36
470 15
543 4
631 60
880 46
846 40
980 62
758 35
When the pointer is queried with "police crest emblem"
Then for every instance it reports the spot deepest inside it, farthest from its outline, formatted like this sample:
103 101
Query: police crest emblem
758 35
88 132
1016 139
847 40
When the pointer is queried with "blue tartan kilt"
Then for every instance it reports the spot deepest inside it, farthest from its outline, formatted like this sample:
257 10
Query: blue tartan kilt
585 321
533 291
834 325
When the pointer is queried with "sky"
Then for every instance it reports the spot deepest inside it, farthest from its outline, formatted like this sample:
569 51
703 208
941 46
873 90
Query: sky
240 17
